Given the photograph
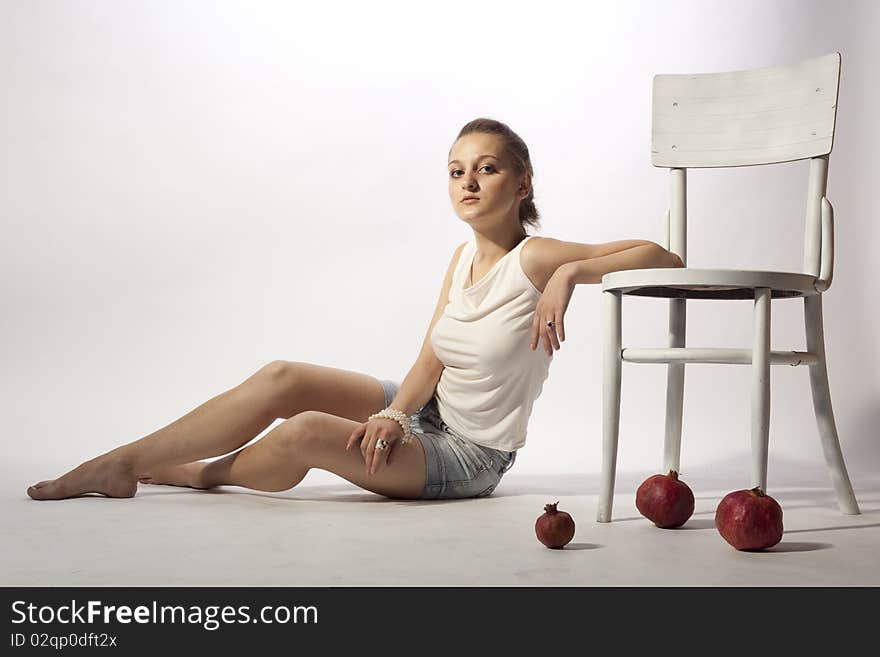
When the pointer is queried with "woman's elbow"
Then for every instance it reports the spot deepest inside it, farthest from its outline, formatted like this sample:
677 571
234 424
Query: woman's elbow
675 260
669 259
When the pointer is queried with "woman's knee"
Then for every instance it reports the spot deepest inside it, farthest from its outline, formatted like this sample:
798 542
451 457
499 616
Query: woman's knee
278 371
298 435
279 381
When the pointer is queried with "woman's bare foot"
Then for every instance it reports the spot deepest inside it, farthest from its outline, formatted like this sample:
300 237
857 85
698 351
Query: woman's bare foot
108 474
186 474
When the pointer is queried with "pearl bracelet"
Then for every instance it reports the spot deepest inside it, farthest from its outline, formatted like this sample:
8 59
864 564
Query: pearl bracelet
401 417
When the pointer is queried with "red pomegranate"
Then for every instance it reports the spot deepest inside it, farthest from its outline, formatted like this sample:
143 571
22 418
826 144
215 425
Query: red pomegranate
665 500
554 528
749 519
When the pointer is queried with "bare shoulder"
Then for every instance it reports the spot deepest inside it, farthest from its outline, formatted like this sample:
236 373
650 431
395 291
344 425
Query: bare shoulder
456 255
534 261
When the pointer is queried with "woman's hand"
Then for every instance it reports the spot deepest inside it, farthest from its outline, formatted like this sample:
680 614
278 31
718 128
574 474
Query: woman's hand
551 307
371 432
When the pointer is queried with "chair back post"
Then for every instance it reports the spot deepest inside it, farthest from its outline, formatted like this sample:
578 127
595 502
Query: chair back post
676 229
813 229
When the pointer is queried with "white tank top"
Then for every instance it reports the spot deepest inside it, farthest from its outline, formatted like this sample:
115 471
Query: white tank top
491 377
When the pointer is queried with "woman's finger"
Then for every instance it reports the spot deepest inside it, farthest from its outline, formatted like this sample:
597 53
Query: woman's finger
368 454
378 456
536 334
365 444
548 343
554 339
392 452
354 437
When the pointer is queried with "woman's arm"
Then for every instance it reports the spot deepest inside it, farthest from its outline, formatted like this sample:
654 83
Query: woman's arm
644 256
416 389
543 256
421 380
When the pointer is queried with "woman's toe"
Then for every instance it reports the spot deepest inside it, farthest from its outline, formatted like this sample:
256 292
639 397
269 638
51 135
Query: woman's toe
37 491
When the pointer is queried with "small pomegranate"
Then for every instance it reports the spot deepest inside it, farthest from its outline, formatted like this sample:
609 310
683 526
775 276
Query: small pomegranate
665 500
749 519
554 528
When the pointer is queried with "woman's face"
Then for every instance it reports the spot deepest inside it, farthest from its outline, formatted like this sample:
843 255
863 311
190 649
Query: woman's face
479 166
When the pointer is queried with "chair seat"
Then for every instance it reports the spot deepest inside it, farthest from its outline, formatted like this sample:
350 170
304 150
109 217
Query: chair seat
686 283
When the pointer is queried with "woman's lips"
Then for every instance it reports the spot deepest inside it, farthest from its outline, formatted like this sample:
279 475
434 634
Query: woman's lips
470 200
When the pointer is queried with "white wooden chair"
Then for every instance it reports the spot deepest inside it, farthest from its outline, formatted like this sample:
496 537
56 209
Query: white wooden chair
729 119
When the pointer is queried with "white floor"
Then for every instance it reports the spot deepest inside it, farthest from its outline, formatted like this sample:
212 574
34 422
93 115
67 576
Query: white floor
327 532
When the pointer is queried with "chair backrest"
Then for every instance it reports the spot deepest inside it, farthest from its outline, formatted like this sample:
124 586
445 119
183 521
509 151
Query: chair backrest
746 118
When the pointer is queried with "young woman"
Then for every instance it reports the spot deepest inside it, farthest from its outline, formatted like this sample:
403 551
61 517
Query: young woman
452 427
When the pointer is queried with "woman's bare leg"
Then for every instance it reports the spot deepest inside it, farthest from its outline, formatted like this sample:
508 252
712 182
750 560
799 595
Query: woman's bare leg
283 457
220 425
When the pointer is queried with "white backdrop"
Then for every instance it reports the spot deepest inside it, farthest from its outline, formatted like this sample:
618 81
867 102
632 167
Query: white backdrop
189 190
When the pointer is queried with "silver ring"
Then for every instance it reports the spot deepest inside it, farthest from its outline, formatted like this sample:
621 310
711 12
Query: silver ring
381 444
550 324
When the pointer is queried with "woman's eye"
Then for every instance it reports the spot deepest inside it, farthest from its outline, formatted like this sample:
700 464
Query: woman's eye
454 171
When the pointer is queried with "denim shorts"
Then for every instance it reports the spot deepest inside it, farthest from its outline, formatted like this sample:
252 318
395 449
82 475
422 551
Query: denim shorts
456 466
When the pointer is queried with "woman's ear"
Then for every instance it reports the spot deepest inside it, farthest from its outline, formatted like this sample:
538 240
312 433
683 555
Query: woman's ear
525 185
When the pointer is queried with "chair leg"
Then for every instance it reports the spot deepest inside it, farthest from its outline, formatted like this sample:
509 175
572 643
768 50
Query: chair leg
611 371
674 388
846 499
761 388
